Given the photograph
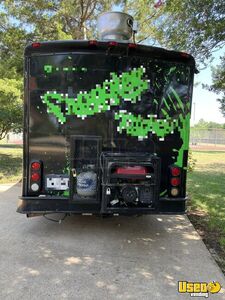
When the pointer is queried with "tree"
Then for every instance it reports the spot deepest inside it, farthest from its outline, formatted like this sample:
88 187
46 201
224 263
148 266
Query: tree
12 40
57 19
197 27
218 85
147 13
194 26
24 21
11 106
202 124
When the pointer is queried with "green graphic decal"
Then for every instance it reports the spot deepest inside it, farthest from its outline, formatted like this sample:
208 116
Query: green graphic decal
125 87
49 69
111 93
140 127
184 134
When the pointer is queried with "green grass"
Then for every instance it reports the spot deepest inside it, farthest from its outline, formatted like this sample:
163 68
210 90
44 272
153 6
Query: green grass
206 190
10 163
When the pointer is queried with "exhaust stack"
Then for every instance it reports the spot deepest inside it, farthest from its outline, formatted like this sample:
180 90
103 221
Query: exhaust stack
115 26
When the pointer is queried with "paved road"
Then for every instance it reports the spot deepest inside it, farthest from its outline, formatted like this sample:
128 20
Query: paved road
93 258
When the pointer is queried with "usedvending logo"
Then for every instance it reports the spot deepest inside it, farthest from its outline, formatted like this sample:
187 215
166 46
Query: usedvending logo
199 289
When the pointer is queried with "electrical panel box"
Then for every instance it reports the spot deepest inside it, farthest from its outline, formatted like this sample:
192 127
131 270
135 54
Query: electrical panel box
57 182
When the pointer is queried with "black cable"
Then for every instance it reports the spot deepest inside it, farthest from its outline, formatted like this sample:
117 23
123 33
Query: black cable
54 220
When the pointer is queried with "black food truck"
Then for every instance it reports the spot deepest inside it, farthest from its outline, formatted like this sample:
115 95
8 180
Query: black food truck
106 125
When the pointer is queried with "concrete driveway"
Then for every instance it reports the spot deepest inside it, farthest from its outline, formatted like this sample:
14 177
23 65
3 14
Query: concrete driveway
87 257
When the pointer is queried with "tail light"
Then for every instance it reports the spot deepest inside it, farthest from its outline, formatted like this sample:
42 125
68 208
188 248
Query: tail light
132 45
174 180
93 43
36 45
175 171
35 187
113 44
174 192
36 165
35 176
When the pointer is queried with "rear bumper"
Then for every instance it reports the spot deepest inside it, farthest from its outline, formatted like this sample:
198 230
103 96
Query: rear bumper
43 205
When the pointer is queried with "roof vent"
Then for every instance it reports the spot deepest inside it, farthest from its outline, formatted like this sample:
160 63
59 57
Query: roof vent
115 26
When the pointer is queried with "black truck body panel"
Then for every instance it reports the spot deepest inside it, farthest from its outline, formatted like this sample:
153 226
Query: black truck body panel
89 106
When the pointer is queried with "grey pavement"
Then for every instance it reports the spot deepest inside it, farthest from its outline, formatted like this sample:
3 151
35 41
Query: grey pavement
86 257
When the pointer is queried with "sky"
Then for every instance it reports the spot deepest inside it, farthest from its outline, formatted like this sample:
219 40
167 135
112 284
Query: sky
204 103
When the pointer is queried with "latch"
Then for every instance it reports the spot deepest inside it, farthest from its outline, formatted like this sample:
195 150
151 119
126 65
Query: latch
74 172
108 191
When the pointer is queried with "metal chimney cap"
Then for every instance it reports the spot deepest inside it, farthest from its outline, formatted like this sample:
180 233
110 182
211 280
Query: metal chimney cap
115 26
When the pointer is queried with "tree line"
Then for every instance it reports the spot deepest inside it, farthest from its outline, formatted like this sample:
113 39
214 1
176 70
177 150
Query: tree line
202 124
